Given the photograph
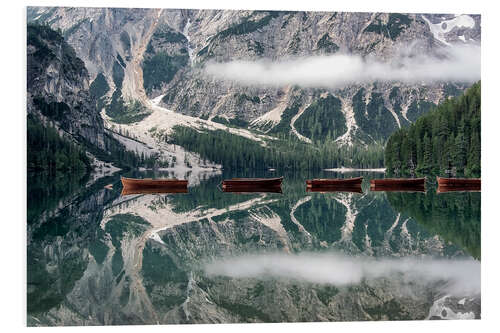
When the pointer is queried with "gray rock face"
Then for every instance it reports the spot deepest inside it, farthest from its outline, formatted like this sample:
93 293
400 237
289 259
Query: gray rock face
58 85
184 41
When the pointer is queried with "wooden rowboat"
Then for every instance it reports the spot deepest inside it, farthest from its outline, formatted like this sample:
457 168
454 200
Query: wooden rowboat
261 182
332 182
149 183
398 182
460 182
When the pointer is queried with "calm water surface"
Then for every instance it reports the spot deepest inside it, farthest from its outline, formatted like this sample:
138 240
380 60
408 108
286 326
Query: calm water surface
98 258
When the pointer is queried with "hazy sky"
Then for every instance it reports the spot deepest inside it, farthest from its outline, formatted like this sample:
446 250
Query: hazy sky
458 63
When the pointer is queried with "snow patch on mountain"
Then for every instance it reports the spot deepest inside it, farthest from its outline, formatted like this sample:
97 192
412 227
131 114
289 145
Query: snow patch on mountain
346 199
388 233
294 119
294 219
439 30
270 119
270 219
350 121
185 32
150 135
443 311
134 145
164 119
182 163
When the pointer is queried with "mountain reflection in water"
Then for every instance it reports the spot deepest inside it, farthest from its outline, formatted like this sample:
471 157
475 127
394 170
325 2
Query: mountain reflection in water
98 258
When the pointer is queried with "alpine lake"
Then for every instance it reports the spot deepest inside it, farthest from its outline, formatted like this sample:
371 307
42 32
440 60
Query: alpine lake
96 257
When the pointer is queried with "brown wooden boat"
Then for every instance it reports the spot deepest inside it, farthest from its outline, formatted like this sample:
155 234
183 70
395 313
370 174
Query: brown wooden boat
397 188
245 182
460 182
470 188
332 182
149 183
172 190
397 182
335 188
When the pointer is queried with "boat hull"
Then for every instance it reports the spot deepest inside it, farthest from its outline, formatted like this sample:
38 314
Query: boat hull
252 182
332 182
397 182
148 183
458 182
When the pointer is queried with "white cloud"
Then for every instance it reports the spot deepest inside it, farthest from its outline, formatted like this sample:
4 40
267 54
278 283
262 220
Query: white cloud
462 276
457 63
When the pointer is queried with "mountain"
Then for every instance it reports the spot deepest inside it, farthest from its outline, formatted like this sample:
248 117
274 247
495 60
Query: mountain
156 59
62 111
58 86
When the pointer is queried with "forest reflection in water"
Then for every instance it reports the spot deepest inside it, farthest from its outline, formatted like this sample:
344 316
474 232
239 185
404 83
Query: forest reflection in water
140 259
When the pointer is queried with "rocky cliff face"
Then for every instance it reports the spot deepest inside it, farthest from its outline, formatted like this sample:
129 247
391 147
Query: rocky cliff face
59 94
164 53
58 86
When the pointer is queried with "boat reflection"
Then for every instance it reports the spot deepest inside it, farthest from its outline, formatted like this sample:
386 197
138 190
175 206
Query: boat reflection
446 189
252 189
330 189
173 190
396 188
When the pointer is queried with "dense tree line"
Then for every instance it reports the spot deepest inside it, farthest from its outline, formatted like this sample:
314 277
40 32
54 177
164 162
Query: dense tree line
238 153
161 68
456 217
99 87
48 151
372 116
123 112
445 141
322 119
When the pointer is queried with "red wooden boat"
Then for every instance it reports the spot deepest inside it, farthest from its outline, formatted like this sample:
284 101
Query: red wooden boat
149 183
397 182
245 182
331 182
460 182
